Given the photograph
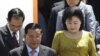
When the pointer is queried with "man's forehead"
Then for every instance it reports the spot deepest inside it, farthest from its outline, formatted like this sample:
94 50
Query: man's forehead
32 31
17 17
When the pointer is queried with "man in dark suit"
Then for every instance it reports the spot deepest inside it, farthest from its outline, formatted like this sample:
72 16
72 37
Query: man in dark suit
12 34
42 23
32 47
52 21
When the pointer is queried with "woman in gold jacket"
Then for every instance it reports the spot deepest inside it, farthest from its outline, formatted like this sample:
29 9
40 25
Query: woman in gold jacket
73 40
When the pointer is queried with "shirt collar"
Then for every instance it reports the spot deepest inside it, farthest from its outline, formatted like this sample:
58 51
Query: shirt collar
29 49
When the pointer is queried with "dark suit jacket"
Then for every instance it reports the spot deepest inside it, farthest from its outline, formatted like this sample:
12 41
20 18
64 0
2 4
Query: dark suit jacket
6 36
52 22
3 49
42 24
22 51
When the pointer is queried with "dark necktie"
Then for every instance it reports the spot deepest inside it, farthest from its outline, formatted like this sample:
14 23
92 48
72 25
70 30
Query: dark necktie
15 40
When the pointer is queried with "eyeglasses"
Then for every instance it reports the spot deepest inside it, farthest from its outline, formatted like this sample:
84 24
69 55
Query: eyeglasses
14 26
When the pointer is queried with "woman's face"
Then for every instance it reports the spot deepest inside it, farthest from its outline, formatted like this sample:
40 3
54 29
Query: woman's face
73 24
72 3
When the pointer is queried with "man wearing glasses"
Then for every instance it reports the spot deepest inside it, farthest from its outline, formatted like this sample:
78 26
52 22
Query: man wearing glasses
12 34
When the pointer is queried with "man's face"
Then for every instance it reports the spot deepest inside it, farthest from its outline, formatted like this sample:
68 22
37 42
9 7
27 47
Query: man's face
15 24
33 38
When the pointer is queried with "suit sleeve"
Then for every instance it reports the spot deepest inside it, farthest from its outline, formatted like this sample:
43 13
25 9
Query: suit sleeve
13 52
52 52
90 19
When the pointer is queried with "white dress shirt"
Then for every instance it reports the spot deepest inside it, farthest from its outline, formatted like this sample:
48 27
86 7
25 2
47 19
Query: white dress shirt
36 51
11 32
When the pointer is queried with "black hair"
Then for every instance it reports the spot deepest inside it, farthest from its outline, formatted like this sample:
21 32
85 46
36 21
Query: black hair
69 13
15 12
31 26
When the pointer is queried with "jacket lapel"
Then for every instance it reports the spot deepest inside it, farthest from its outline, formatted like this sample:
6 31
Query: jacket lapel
7 37
21 36
24 51
42 51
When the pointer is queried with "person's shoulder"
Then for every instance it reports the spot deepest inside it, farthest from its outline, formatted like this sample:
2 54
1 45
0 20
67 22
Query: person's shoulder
84 5
47 48
58 8
61 11
88 6
3 29
18 49
59 32
85 32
